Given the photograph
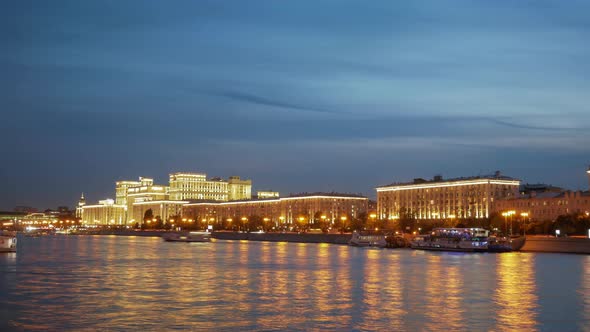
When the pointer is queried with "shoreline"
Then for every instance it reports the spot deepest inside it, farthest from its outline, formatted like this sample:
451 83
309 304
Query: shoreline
534 243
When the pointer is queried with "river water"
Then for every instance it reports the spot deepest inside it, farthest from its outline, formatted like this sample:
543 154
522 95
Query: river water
98 283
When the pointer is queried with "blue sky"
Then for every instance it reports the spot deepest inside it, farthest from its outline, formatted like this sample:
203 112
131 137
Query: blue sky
295 95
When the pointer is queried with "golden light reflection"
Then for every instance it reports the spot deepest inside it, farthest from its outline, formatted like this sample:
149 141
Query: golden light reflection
516 292
585 289
373 308
393 307
443 295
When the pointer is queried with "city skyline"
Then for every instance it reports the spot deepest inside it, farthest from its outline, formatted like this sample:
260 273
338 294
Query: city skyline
303 96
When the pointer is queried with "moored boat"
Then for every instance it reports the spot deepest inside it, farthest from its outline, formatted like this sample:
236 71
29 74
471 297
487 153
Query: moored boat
367 240
7 241
453 239
187 237
505 244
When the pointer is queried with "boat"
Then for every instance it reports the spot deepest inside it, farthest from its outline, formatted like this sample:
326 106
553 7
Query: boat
505 244
453 239
187 237
367 240
7 241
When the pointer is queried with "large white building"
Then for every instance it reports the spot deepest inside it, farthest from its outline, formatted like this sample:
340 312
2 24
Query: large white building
196 186
106 212
134 198
461 198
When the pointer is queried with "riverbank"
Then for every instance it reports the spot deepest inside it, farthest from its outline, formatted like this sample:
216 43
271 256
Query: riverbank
285 237
556 245
122 232
534 243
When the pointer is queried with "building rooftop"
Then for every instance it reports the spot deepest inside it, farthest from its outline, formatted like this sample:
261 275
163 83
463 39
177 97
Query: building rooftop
549 194
272 199
320 193
439 179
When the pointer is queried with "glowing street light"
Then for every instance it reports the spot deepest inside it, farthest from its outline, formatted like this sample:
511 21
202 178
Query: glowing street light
524 215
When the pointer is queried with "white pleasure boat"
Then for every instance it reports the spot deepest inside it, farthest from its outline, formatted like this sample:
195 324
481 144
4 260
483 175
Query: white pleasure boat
7 241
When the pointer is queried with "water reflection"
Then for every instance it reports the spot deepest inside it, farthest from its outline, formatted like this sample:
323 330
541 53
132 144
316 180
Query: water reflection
516 292
130 283
584 294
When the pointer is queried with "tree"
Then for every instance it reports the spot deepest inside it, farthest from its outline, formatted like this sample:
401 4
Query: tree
254 223
148 215
407 220
159 223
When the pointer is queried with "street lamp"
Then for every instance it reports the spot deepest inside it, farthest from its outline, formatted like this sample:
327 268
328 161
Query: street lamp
524 215
511 213
244 219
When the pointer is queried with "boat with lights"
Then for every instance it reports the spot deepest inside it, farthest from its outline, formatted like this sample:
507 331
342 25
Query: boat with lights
367 240
187 237
7 241
453 239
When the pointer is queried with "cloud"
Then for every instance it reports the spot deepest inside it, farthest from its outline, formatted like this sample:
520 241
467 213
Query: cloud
267 101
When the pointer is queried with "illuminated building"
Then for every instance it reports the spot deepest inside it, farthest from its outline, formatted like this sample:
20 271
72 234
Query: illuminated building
239 189
287 210
588 173
146 191
80 206
106 212
121 189
549 205
39 220
267 194
546 206
165 209
195 186
461 198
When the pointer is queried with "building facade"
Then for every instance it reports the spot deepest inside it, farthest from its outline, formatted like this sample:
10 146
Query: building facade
106 212
121 189
80 206
165 209
546 206
239 189
267 194
196 186
287 210
460 198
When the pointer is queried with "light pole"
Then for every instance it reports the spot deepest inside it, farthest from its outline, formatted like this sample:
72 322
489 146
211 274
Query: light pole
511 213
244 220
505 215
524 215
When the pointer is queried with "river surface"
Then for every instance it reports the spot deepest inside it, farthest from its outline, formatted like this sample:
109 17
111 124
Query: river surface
102 283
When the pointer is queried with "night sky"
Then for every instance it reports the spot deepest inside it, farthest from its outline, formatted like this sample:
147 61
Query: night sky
295 95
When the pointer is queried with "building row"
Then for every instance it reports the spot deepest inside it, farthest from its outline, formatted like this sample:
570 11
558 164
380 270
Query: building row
477 198
306 208
131 196
192 195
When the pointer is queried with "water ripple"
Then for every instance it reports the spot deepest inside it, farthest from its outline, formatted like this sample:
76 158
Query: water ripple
90 283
